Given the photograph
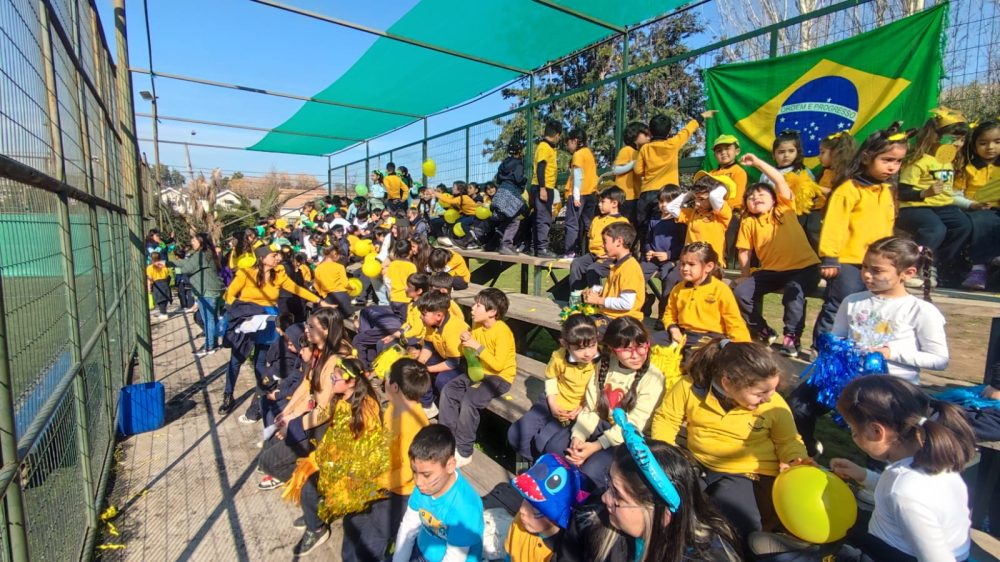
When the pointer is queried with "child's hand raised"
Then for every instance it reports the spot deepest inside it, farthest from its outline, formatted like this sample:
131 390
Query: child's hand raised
749 159
848 470
709 114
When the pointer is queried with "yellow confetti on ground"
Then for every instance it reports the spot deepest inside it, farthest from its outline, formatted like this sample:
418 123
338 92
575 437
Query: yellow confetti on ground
532 310
111 546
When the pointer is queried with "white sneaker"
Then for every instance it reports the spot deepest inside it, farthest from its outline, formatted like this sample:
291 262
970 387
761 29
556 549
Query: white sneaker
445 241
461 460
431 411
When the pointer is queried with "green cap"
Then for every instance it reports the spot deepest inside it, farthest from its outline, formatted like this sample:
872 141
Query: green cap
725 139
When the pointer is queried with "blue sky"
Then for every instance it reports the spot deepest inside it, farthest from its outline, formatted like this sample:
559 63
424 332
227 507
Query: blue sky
241 42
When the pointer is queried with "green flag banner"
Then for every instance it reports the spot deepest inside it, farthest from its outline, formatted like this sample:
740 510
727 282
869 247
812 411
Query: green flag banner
856 85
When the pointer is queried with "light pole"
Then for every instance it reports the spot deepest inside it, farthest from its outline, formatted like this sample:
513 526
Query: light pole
144 94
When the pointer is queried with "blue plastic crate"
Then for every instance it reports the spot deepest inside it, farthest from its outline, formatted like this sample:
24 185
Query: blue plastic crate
140 408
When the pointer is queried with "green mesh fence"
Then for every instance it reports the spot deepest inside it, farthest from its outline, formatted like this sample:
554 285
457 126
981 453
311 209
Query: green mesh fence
65 256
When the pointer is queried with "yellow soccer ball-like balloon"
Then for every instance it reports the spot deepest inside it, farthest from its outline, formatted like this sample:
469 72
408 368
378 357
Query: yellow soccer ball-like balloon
483 213
458 230
814 504
362 248
451 216
353 287
429 167
372 267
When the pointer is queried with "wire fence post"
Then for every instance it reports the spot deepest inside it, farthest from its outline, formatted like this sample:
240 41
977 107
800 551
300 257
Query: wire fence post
12 516
132 182
773 49
368 172
423 150
529 133
621 102
466 154
329 176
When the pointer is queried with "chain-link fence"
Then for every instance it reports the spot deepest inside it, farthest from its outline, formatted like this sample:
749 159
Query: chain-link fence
661 77
72 299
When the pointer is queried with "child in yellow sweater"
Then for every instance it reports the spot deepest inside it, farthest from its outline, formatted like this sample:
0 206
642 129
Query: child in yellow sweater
566 378
493 342
158 283
708 218
394 275
701 306
739 429
367 535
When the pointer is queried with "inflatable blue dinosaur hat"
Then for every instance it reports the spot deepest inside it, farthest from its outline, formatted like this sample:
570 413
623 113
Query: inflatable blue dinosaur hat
552 486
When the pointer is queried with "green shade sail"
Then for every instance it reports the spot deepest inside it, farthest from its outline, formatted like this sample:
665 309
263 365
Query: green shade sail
397 76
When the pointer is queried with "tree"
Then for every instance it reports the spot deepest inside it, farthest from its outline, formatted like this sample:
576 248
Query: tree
675 89
170 177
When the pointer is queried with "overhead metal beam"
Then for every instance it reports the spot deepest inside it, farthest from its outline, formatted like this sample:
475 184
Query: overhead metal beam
204 145
247 127
582 15
264 91
392 36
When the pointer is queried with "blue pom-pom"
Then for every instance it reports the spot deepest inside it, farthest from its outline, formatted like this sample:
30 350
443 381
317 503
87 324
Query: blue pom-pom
837 364
968 397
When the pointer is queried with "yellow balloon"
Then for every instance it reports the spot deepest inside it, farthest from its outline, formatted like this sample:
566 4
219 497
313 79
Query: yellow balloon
483 213
458 230
371 268
814 504
429 167
451 216
362 248
353 287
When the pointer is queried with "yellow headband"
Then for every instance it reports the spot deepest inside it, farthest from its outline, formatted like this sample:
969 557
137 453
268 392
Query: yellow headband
897 137
946 116
835 136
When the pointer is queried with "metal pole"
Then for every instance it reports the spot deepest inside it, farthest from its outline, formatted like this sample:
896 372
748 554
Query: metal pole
774 44
423 176
329 177
368 172
622 101
138 311
13 516
187 153
466 154
158 171
529 135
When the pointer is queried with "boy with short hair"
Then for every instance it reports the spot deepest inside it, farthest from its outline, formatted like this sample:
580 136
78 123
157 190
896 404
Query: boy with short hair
395 189
624 293
662 245
581 187
658 159
444 517
543 186
367 535
726 149
589 268
493 342
442 344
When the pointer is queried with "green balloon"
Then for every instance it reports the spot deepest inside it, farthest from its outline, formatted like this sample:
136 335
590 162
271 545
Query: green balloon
361 189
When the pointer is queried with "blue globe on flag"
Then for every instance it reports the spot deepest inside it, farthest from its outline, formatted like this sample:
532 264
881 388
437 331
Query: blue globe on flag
819 108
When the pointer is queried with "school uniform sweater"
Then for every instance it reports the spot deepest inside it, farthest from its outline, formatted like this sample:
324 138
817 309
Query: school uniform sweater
597 226
584 165
921 174
498 355
457 267
465 204
395 188
545 165
858 213
396 274
330 277
245 288
736 173
446 338
566 379
707 226
401 425
658 159
706 307
624 291
628 181
733 440
980 181
777 238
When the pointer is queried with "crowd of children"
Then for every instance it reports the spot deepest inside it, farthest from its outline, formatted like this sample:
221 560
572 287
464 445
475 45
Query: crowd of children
340 447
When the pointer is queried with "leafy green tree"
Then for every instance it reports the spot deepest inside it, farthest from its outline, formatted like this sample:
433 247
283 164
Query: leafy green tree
674 89
170 177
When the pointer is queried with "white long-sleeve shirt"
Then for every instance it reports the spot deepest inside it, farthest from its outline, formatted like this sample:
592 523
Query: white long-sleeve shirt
912 329
923 515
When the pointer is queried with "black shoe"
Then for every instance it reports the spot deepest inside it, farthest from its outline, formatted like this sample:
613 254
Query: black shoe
227 404
310 540
546 254
507 251
299 523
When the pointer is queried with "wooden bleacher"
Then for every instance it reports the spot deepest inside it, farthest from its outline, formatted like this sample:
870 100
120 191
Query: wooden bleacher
495 264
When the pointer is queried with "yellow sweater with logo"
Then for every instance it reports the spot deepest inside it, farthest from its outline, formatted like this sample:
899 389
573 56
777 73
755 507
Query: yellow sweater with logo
706 307
980 183
597 227
245 288
857 214
330 277
499 355
629 182
658 160
545 152
567 380
734 441
583 158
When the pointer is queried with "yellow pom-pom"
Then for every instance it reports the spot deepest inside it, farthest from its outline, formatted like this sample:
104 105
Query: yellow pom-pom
451 216
483 213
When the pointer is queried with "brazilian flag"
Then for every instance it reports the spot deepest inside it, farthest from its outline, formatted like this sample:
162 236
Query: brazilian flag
857 85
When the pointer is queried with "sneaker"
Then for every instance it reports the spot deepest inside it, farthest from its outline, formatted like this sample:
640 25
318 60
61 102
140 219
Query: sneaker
247 420
269 483
299 523
431 411
975 280
507 251
767 336
791 346
445 241
203 353
462 460
545 254
473 245
310 540
569 256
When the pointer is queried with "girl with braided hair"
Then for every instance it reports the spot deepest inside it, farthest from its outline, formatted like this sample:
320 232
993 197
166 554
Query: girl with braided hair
624 379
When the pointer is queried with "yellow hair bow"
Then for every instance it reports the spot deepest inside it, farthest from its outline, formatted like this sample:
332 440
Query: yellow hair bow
835 136
897 137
